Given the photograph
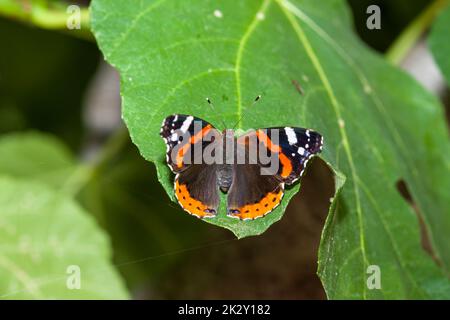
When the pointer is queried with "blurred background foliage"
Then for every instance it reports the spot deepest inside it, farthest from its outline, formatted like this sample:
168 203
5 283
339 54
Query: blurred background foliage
53 80
396 15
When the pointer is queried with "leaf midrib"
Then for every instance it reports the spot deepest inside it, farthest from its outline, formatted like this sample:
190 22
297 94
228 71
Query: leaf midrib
335 104
392 129
402 150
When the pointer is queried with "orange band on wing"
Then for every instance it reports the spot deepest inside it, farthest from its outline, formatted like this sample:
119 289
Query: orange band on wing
194 139
286 169
260 209
190 204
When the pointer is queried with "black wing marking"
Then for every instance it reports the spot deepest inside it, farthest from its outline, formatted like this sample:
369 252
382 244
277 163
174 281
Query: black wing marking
299 145
294 147
180 133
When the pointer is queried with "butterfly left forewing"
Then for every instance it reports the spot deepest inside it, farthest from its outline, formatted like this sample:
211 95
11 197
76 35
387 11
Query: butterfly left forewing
195 184
182 133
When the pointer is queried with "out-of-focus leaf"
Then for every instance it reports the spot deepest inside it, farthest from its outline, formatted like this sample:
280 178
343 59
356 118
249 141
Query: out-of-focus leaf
37 156
379 125
46 241
439 42
39 213
123 195
43 76
148 234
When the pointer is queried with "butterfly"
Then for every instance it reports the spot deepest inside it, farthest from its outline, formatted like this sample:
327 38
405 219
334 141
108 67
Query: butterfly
254 188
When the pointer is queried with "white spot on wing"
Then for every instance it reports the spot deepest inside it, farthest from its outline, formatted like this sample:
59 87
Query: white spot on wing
184 128
174 137
292 138
218 14
301 151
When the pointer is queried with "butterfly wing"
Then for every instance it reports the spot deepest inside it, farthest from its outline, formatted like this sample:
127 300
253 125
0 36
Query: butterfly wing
258 188
197 191
294 147
251 194
184 135
195 183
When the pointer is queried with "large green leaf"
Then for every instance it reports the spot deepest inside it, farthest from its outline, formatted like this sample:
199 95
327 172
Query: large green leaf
439 44
42 230
44 235
36 156
123 195
148 236
379 125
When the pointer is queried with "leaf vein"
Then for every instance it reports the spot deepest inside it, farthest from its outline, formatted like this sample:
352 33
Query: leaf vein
133 24
250 29
324 79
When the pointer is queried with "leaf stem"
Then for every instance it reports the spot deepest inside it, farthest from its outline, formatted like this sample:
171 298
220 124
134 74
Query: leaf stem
50 16
411 34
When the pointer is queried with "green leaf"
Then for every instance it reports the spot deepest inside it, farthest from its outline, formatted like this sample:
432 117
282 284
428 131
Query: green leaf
379 125
37 156
44 232
123 195
439 44
148 235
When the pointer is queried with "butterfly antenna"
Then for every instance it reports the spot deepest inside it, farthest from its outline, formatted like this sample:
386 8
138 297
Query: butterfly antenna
214 108
244 114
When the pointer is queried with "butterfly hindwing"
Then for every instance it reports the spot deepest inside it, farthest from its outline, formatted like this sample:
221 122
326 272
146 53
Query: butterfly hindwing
197 191
253 195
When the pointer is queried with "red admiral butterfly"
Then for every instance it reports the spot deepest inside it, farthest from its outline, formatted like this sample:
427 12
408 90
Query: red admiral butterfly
253 191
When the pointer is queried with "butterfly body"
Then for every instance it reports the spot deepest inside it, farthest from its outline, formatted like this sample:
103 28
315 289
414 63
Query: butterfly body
225 169
252 169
